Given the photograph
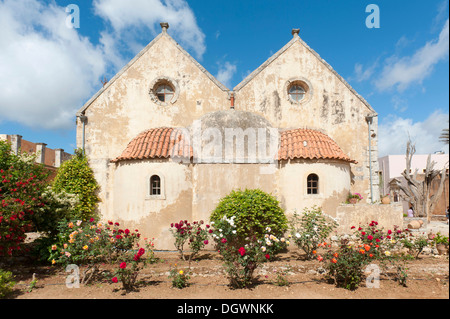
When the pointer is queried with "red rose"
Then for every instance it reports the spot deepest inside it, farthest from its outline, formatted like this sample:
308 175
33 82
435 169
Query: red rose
141 251
223 240
114 280
370 237
242 251
267 256
123 265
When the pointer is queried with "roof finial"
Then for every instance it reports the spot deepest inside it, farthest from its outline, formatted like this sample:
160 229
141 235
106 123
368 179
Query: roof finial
295 32
164 26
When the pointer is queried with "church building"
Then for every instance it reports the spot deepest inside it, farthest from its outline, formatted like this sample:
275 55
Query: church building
167 140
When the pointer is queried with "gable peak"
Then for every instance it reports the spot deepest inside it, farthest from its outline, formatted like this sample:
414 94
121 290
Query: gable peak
295 32
164 26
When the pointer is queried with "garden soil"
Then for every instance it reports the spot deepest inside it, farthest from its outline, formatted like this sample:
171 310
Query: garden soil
428 278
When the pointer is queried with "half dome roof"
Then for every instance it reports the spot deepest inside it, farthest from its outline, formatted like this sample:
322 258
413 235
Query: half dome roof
166 142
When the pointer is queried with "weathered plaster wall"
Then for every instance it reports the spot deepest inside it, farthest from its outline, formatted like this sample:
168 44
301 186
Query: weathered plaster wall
125 108
334 185
214 181
151 215
331 107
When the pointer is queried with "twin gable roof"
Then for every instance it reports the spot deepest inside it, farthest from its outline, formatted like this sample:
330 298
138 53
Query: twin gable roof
164 33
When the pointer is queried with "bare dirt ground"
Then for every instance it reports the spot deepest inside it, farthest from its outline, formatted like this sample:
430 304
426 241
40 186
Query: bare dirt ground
428 278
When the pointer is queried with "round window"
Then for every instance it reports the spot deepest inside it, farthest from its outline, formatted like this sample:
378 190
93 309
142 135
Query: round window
164 91
298 91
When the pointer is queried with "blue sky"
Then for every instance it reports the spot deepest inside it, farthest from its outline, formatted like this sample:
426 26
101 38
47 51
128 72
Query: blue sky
48 71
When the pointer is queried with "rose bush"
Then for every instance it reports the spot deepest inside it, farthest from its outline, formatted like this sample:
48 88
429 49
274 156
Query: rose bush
242 256
369 244
310 229
180 278
92 243
21 185
194 234
128 270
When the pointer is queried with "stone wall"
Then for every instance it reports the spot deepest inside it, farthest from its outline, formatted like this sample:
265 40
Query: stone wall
387 216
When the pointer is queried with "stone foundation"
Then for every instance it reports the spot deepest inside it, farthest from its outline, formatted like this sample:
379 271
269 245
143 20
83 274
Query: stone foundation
387 216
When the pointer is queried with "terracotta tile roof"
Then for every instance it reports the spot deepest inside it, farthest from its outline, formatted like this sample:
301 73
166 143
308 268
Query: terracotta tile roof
160 142
309 144
167 142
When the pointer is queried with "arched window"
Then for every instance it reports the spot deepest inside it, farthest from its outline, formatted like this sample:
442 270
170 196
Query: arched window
313 184
155 185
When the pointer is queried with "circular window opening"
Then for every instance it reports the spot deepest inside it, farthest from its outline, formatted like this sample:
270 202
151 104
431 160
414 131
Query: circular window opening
297 91
164 91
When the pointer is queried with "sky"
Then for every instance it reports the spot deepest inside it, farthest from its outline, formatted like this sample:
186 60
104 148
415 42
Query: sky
54 55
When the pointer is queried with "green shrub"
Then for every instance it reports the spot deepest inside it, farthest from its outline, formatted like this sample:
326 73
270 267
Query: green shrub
76 177
6 283
254 211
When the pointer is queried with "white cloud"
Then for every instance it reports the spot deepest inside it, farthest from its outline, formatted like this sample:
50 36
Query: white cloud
363 74
226 73
47 70
401 72
394 133
137 21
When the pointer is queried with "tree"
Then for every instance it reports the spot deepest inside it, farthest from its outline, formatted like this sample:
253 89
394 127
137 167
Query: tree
416 191
76 177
